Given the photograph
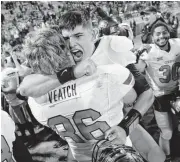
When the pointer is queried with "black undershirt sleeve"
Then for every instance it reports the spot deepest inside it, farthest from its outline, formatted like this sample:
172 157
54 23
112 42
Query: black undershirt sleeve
141 83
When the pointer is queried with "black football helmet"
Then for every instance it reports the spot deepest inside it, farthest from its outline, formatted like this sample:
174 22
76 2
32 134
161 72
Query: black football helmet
104 151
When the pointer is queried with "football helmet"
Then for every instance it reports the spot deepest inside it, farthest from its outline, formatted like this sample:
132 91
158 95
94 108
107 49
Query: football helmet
104 151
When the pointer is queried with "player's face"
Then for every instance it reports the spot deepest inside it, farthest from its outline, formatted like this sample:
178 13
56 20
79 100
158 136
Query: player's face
149 18
81 41
161 36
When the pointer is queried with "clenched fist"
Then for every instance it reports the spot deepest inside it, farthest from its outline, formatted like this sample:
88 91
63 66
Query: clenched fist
116 135
86 67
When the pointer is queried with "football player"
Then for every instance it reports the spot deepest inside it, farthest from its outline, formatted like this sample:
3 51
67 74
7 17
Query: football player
74 109
108 50
161 65
78 31
12 149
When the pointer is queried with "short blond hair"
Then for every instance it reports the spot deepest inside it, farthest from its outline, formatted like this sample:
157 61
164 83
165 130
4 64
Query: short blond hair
47 52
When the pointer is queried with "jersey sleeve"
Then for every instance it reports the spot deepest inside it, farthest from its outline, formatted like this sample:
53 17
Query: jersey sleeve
120 89
37 111
121 49
176 41
120 79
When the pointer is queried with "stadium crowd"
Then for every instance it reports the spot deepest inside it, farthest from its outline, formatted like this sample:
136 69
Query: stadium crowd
35 80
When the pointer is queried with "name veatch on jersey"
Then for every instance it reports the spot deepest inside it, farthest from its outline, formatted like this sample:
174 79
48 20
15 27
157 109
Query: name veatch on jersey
62 94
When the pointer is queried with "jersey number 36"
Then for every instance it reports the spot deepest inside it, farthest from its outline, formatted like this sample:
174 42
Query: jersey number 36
86 131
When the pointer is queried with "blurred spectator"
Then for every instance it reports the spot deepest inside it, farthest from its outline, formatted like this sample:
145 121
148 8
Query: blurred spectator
173 22
151 16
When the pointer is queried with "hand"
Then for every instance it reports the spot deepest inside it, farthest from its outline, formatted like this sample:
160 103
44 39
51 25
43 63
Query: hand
86 67
145 47
116 135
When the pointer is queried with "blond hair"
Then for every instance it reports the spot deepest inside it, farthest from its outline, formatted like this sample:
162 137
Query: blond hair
47 52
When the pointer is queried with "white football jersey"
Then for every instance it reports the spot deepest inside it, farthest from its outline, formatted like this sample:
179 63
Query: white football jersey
80 111
7 137
162 68
114 49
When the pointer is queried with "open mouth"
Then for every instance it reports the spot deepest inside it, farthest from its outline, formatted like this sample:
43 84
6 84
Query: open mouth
77 55
162 41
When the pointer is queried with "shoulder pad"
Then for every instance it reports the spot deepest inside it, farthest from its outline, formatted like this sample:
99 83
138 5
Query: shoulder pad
121 44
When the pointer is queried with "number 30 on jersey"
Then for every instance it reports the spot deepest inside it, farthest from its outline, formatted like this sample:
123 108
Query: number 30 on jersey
170 74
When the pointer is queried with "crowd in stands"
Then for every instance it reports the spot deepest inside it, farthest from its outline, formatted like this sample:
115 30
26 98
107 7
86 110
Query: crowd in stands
20 18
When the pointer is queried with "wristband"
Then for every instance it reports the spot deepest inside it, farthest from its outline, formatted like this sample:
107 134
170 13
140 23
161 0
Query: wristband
65 75
129 119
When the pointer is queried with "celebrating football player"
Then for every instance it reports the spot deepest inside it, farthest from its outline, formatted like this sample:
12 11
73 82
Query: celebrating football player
108 50
75 106
89 119
161 64
77 30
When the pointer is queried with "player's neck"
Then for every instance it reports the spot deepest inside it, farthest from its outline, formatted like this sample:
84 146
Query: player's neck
166 48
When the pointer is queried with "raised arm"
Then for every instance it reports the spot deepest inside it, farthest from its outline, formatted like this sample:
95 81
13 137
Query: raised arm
36 85
145 94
